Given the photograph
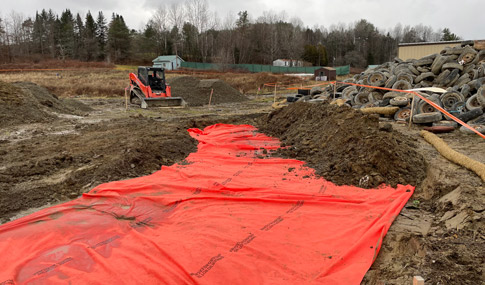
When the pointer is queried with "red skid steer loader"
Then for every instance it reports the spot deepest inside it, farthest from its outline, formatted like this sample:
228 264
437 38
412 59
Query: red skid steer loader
150 88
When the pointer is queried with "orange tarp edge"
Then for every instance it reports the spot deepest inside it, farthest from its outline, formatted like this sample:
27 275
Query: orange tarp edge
228 214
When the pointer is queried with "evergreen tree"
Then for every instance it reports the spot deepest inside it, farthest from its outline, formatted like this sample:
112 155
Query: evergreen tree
101 36
79 50
67 37
89 38
447 35
118 39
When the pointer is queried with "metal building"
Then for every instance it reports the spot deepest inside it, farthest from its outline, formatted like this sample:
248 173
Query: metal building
419 50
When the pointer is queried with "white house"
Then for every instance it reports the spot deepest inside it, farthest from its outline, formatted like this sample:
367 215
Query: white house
288 62
169 62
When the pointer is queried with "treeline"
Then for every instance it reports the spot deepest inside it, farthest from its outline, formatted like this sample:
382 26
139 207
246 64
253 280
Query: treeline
192 31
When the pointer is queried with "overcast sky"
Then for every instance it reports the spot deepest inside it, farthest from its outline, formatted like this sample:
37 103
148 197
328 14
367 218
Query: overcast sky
464 18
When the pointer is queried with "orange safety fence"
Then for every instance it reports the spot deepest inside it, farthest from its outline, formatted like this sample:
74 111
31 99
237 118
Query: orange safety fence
228 214
45 69
436 106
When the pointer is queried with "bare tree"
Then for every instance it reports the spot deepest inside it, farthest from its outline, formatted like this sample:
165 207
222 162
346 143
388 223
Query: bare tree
160 22
176 15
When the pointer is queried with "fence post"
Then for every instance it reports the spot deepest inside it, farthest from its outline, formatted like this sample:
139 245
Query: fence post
334 90
274 100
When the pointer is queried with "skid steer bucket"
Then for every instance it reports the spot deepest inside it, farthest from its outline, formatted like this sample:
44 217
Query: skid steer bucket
163 102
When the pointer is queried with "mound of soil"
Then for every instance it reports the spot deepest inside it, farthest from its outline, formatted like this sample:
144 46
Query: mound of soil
197 92
77 162
26 102
345 146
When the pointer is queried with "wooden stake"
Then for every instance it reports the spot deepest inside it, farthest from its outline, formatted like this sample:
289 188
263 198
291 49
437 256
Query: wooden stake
335 90
274 100
418 280
210 97
412 112
126 99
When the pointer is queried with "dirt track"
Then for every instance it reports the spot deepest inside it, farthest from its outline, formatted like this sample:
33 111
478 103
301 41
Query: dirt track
440 234
65 155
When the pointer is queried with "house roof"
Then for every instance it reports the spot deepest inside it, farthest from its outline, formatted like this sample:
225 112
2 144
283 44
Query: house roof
166 58
430 43
282 59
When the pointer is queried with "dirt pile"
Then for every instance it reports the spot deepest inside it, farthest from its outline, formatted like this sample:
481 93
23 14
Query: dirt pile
26 102
197 92
77 162
345 146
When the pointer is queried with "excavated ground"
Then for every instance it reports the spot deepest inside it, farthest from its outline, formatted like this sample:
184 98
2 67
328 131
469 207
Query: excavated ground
440 234
53 150
346 146
197 92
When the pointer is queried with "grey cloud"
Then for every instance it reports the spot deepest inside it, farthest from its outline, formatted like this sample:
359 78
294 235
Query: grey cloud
462 17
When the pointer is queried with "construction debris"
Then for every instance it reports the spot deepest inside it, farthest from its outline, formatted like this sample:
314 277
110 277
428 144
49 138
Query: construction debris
197 92
459 72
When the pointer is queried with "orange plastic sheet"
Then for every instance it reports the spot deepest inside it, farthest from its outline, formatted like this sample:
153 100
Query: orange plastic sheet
227 215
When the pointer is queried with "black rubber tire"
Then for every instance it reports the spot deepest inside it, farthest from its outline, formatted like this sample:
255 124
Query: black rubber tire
452 78
428 75
304 91
479 128
402 85
426 118
390 81
376 96
452 65
316 90
291 99
470 115
391 94
460 107
449 99
347 91
440 78
438 63
414 70
472 103
424 107
465 90
361 98
464 79
424 61
478 120
399 101
468 55
403 114
377 79
384 102
406 77
446 123
481 96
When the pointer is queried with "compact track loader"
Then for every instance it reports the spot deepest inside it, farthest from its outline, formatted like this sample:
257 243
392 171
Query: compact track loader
150 88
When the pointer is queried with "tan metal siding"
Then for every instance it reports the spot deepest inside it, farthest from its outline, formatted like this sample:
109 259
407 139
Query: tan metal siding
419 51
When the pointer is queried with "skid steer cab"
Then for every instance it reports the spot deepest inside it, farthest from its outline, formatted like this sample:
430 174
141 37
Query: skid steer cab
149 88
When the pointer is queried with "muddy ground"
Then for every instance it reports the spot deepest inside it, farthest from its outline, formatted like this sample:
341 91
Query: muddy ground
439 235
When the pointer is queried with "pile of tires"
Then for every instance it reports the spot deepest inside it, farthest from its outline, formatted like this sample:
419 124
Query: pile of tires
459 70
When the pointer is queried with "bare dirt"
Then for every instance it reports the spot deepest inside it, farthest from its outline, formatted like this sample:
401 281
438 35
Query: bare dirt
52 154
440 234
198 92
26 102
346 146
